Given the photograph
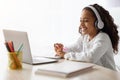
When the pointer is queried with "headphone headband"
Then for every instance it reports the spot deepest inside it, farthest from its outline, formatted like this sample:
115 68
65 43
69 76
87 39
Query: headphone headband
100 23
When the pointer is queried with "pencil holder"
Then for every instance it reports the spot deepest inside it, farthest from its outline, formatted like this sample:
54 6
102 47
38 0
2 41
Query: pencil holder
15 60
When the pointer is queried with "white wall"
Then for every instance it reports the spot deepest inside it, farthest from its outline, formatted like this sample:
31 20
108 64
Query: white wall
46 21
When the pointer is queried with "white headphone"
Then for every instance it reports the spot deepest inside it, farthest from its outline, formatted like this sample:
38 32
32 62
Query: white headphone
99 23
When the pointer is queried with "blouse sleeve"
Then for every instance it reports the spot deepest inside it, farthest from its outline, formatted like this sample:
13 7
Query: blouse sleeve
92 54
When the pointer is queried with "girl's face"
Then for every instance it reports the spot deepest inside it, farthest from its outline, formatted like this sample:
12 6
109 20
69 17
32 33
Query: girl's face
87 23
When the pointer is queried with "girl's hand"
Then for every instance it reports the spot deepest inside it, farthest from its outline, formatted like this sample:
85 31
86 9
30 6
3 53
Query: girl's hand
59 49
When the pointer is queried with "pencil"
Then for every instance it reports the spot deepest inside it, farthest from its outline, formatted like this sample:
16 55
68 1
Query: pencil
20 48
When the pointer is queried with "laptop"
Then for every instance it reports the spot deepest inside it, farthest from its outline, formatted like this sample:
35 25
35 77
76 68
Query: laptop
19 37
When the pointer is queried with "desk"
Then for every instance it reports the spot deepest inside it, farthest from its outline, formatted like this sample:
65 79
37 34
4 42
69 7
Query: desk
28 73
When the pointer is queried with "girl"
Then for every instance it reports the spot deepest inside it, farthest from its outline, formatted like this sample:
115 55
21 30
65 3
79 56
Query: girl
98 41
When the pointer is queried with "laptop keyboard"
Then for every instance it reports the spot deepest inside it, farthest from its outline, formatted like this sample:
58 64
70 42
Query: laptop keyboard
42 60
39 59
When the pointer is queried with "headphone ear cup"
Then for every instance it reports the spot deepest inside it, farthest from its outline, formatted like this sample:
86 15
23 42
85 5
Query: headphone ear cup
99 25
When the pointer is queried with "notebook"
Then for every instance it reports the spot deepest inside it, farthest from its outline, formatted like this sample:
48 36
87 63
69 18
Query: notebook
19 37
64 69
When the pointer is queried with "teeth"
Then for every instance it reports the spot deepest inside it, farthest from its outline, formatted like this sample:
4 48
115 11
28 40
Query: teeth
83 29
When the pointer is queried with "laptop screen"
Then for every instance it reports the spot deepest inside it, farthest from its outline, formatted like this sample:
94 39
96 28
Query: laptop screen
18 38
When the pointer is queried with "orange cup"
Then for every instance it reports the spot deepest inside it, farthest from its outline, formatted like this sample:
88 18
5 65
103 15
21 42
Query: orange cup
15 60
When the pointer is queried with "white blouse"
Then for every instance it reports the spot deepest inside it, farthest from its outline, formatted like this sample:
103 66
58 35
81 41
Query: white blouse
99 50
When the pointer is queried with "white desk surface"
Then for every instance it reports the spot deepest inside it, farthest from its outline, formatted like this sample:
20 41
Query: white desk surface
28 73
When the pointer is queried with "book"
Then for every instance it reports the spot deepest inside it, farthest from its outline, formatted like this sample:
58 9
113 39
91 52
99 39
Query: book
63 69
